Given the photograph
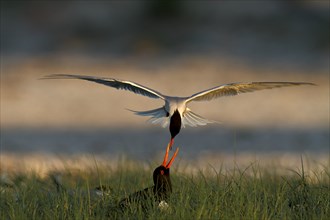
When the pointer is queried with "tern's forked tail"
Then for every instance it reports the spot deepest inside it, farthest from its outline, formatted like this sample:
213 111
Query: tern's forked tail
158 116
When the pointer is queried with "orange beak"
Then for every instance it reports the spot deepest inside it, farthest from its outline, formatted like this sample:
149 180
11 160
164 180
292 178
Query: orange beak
166 156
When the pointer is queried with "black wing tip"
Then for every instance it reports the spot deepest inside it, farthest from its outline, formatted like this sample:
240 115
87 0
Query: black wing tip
70 76
311 84
52 76
303 83
58 76
287 83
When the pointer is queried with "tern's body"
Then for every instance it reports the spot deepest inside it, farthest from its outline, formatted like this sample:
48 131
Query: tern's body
175 112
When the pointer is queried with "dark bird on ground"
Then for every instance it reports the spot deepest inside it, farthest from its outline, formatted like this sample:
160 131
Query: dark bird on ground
158 193
175 112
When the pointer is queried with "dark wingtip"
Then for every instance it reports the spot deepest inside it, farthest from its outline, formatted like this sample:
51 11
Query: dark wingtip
45 77
305 83
54 76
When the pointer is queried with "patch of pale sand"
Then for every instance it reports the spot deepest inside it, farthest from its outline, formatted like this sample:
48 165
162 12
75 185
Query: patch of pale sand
28 102
43 164
315 167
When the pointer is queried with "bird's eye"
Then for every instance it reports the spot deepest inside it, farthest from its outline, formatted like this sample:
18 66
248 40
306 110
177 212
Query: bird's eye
162 172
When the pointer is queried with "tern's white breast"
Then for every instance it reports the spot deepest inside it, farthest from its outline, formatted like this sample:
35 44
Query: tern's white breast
175 103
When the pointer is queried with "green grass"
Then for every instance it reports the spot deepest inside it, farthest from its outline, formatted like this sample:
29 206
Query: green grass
250 193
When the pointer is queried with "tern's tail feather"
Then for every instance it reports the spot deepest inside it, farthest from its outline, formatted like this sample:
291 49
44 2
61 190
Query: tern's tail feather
192 119
158 116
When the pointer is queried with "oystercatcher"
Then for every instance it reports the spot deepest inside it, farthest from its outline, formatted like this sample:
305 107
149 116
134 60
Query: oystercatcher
161 190
175 112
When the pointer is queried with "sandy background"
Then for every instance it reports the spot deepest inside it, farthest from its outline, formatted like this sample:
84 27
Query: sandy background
197 50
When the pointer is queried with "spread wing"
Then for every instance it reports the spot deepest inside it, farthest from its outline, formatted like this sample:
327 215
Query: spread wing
237 88
115 83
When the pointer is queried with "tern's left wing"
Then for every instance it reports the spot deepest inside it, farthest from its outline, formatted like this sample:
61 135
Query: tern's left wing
237 88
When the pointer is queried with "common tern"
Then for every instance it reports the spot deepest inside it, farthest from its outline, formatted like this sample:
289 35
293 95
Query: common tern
175 112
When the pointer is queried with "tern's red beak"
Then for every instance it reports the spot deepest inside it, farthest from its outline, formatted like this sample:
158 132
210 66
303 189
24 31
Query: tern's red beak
166 156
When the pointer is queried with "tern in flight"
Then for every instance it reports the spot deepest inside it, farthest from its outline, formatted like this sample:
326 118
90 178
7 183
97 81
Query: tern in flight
175 112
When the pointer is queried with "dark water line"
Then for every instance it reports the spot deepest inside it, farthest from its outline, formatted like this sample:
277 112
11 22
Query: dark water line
144 143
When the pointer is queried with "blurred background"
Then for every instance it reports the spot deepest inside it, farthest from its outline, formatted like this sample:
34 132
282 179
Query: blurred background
177 48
